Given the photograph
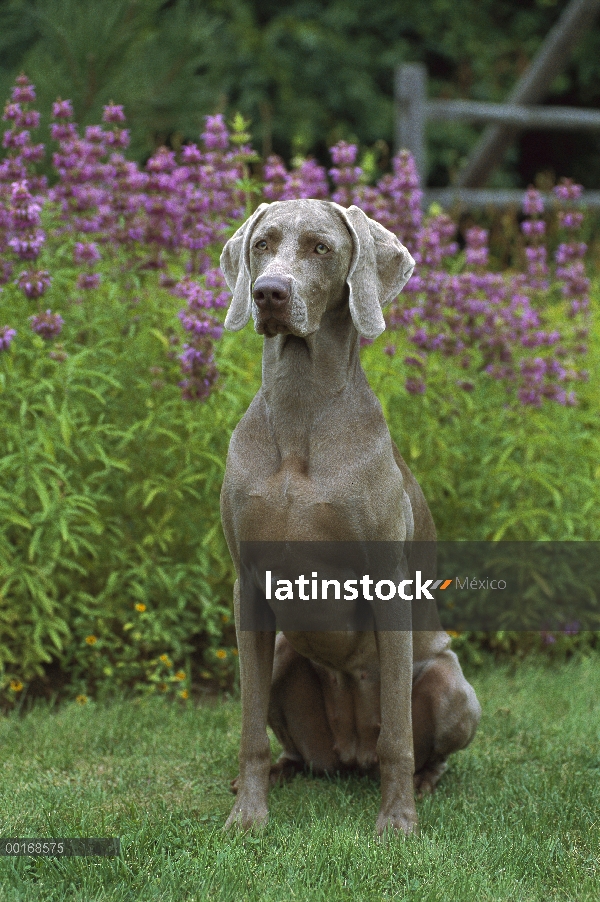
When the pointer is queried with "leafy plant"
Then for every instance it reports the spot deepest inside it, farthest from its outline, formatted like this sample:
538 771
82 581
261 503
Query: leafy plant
113 567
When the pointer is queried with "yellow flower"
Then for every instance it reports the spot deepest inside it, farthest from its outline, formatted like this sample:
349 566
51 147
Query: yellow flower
225 618
453 633
166 660
180 675
234 651
221 654
140 607
91 640
16 685
184 694
82 699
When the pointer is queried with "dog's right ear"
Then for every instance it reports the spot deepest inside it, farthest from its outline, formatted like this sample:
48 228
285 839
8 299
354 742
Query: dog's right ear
235 264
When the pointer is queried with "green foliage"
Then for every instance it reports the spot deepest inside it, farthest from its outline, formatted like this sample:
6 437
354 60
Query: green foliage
493 471
114 566
306 73
109 487
148 55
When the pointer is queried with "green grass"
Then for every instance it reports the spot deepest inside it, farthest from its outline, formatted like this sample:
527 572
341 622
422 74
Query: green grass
515 817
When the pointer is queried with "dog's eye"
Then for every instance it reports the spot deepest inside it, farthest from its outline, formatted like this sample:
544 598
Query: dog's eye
322 249
261 245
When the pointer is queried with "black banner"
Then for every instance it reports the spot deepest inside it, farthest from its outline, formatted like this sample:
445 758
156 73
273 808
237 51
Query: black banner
330 586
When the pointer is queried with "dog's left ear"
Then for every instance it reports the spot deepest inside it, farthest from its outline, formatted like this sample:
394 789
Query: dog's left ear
380 268
235 264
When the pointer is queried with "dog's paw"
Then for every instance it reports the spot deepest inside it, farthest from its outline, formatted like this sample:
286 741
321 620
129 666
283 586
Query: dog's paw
426 780
285 768
247 817
398 820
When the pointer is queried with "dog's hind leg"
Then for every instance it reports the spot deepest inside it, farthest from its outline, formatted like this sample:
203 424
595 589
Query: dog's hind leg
445 714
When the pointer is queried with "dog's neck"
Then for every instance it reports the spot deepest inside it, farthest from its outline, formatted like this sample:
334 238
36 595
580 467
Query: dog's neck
302 377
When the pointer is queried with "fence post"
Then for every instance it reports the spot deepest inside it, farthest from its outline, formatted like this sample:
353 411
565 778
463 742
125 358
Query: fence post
410 89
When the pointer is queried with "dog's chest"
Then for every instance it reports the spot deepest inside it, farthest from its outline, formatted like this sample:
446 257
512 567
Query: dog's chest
299 505
334 481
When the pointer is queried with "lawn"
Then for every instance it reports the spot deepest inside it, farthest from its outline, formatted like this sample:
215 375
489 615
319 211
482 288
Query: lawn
515 817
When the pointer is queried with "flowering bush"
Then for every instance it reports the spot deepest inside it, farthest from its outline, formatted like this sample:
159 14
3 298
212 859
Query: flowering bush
109 479
452 306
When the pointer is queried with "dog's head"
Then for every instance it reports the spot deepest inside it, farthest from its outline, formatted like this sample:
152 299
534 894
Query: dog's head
292 260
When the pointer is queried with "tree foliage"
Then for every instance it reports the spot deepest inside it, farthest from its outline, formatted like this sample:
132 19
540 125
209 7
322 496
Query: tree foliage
306 72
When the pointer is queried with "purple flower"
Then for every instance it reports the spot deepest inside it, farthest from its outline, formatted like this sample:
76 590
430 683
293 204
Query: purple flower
6 337
95 134
86 252
34 284
530 397
47 324
12 112
88 280
570 220
193 359
113 113
275 175
476 237
533 204
191 154
198 388
343 154
568 190
24 92
23 119
15 139
415 386
215 134
179 210
62 109
118 138
201 327
28 248
574 250
533 228
6 271
477 256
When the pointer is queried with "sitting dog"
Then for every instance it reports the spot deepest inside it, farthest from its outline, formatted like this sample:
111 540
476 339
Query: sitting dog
312 460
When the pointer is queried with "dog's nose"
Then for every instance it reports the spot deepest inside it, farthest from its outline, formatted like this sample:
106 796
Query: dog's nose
271 292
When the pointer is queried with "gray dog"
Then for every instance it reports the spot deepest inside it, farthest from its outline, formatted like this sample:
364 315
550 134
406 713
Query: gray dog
313 460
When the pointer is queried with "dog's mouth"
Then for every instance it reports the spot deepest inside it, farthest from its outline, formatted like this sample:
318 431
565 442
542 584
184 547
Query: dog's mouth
270 327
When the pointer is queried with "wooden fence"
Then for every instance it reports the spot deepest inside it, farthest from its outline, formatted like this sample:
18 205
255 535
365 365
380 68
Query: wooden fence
414 110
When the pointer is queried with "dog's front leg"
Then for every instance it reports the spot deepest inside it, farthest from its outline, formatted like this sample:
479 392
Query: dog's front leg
256 650
395 745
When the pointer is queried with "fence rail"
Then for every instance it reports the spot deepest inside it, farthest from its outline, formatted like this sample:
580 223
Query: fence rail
480 198
414 110
514 114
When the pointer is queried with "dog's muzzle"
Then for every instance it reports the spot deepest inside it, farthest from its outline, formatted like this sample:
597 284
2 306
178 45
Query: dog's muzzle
273 298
